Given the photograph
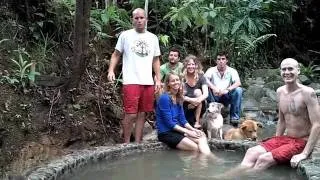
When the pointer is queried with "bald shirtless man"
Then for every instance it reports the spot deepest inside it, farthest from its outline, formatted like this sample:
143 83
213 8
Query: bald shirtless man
298 125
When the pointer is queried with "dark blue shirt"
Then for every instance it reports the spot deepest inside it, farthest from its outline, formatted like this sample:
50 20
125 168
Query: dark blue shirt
168 114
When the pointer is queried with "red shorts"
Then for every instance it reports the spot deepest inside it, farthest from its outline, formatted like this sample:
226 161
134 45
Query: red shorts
284 147
138 98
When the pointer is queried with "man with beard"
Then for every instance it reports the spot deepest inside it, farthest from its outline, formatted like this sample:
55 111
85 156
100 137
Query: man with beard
173 65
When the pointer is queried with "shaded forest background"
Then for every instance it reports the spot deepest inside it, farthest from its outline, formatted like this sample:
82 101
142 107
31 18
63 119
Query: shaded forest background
53 65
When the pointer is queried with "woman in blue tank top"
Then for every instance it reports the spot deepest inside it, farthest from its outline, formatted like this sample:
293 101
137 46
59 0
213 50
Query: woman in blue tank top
173 128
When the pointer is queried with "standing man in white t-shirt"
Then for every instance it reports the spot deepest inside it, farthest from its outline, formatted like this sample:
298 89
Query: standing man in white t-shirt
224 84
140 54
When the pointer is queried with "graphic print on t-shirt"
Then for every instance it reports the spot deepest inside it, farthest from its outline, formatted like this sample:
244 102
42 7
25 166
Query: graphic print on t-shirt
141 47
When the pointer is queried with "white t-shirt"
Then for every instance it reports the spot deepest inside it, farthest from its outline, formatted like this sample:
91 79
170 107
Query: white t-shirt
230 76
138 51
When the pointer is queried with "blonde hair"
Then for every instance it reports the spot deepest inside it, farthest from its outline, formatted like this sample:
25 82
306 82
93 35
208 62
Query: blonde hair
198 64
179 95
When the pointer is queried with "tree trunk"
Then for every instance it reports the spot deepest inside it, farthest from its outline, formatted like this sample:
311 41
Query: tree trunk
146 4
107 3
80 43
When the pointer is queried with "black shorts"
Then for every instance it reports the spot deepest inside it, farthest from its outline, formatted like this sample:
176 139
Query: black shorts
190 113
171 138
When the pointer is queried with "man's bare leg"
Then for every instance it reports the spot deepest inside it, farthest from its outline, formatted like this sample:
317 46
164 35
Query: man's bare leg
252 156
141 119
127 124
264 161
247 164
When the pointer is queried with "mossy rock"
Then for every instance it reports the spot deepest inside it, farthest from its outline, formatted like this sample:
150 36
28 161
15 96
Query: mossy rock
267 75
274 85
255 92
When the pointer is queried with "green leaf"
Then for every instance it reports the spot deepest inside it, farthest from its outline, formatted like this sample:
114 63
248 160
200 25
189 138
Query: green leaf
211 5
96 25
225 28
39 14
3 40
76 106
252 28
317 68
213 14
237 25
23 70
16 62
164 39
40 23
205 14
187 20
105 18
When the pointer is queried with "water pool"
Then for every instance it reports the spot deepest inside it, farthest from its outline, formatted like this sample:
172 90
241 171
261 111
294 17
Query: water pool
173 165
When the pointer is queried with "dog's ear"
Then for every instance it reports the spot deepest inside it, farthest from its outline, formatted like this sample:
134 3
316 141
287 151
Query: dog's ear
221 106
243 126
205 115
260 125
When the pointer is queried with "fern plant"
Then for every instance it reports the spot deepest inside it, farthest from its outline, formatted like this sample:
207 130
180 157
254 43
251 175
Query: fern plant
101 19
312 71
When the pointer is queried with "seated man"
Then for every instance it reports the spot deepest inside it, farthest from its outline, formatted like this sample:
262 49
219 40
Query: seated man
299 116
173 65
224 86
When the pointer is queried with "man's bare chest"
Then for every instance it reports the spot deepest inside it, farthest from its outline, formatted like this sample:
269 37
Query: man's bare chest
292 104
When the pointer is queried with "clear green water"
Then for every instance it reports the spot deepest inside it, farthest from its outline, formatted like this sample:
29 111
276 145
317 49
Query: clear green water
174 165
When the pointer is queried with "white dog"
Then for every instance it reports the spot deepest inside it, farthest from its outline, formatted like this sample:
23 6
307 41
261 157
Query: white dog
212 120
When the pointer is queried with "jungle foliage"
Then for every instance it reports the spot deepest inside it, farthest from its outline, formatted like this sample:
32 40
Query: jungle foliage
256 33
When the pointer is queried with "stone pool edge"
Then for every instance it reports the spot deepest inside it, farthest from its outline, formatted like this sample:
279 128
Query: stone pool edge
57 168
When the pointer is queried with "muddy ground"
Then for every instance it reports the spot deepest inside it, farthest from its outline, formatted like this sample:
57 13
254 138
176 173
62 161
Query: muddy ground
38 124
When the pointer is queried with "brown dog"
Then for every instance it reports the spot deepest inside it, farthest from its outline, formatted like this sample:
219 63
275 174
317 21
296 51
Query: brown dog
247 130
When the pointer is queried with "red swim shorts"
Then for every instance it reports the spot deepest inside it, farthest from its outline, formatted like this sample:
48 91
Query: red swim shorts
138 98
284 147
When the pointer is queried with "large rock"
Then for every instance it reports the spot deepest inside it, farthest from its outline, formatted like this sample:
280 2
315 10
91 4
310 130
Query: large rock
260 98
274 85
267 75
304 80
254 92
